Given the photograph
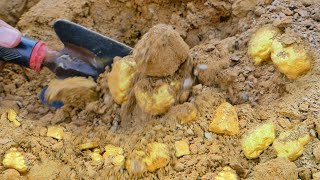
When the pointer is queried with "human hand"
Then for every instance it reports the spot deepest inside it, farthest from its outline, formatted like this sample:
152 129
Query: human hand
9 38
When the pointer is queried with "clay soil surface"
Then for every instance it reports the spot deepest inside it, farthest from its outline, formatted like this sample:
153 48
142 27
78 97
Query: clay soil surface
217 32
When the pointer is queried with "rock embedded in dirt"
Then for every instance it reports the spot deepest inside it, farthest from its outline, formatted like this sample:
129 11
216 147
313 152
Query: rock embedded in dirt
181 148
157 156
292 58
75 91
120 78
89 145
55 132
227 173
260 43
290 145
160 52
225 120
240 8
15 160
304 173
184 113
279 168
135 164
257 140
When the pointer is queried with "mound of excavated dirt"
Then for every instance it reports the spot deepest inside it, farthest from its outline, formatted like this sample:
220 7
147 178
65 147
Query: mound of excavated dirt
158 116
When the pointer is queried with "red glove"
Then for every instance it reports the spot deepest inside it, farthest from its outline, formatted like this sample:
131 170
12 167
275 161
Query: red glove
9 38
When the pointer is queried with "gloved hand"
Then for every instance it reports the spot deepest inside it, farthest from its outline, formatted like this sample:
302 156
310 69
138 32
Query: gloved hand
9 38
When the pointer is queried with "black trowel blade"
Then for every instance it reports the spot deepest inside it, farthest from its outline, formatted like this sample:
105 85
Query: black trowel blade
104 48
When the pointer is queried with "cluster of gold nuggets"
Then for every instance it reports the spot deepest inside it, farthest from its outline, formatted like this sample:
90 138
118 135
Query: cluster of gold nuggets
289 55
291 59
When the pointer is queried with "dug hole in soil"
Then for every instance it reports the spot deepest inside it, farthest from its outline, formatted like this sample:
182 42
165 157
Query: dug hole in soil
217 69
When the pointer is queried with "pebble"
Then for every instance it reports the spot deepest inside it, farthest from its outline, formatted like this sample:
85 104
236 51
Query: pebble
208 135
193 149
57 146
178 167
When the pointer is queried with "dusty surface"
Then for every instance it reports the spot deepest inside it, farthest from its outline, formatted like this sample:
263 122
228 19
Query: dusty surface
218 33
12 10
279 168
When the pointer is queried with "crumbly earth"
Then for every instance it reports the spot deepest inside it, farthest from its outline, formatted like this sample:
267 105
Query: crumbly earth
280 168
218 33
12 10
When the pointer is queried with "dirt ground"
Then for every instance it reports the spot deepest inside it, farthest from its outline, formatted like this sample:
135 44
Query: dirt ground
217 32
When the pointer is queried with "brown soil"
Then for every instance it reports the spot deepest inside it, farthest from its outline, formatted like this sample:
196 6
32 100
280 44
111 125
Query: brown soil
12 10
218 33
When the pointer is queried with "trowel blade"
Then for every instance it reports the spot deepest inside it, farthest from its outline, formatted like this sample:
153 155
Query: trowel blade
85 53
102 47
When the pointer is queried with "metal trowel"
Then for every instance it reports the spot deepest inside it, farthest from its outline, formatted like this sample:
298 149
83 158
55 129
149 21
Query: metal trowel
85 53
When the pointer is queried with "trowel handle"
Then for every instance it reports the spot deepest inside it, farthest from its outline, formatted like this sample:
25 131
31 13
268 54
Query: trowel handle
29 53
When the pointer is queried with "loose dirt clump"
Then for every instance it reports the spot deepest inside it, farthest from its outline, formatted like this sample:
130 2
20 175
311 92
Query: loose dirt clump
279 168
76 91
160 52
216 69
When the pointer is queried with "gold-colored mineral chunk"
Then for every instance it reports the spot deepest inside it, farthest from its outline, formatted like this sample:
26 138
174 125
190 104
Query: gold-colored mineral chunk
286 146
226 174
181 148
111 150
225 120
12 116
293 60
257 140
157 156
261 42
120 79
95 155
114 154
15 160
155 102
55 132
118 160
89 145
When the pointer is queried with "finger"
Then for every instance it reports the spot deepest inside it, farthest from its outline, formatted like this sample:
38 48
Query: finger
9 37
